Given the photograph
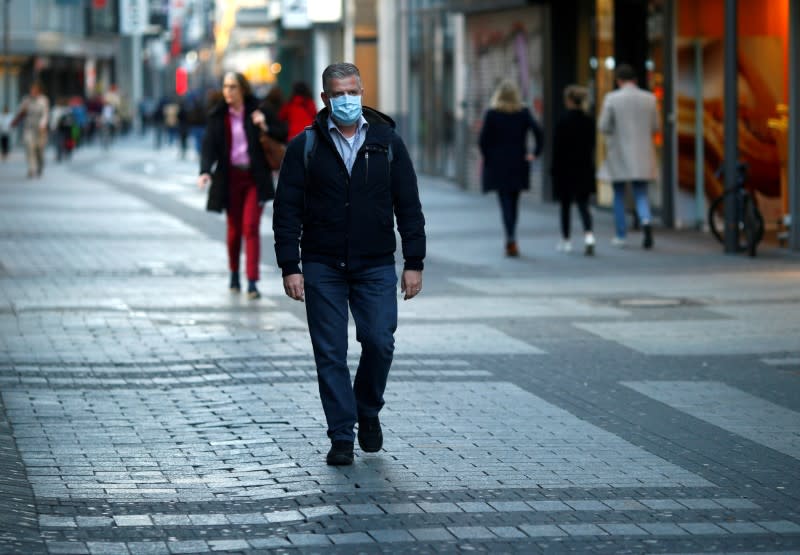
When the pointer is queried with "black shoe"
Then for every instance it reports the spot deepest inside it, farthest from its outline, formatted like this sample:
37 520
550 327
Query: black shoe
647 242
341 453
370 436
235 286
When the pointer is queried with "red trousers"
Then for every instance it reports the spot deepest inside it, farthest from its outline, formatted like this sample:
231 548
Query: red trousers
244 220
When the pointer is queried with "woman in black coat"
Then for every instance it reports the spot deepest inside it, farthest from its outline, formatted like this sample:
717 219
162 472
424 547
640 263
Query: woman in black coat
573 166
241 183
506 162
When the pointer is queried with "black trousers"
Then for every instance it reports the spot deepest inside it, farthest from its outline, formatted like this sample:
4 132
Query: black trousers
509 209
583 210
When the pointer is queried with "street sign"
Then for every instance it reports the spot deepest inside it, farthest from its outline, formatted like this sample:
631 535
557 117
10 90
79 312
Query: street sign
134 16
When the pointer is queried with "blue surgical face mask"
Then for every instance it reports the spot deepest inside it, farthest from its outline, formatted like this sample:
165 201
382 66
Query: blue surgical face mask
346 109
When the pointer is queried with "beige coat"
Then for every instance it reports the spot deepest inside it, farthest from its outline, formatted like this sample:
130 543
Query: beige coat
628 120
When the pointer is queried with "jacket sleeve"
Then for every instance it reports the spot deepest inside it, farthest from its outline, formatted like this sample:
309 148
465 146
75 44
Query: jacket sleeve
606 123
407 206
207 154
484 138
287 216
537 134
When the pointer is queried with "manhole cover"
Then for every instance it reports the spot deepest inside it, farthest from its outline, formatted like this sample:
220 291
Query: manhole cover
651 302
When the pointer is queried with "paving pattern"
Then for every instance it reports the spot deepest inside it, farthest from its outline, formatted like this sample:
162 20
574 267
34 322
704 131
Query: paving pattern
630 403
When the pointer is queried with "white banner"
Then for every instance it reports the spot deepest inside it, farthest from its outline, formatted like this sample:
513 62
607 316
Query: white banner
134 16
294 14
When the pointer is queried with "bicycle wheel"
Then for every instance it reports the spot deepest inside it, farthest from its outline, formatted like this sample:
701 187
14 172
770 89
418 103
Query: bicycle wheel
716 218
753 224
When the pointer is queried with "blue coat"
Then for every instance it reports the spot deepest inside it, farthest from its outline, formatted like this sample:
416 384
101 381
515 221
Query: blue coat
503 144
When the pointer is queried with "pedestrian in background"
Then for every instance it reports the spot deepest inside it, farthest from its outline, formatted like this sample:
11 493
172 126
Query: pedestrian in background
573 166
33 113
242 183
343 224
628 120
271 106
503 143
5 131
299 112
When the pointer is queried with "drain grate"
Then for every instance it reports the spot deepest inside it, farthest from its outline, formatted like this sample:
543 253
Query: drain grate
651 302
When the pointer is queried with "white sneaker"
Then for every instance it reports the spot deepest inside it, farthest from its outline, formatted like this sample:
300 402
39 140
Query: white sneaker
588 244
565 245
618 242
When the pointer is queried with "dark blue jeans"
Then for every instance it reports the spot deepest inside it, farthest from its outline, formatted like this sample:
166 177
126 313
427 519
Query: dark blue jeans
371 295
509 209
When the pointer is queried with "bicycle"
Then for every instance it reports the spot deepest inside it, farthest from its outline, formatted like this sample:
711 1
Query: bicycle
750 222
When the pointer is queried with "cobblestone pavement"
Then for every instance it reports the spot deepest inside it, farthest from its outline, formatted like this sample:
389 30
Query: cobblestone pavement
633 402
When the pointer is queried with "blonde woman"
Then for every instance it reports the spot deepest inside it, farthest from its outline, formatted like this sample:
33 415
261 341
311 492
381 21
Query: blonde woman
506 161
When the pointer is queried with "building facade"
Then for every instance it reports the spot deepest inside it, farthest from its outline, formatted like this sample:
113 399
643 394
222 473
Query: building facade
458 51
68 45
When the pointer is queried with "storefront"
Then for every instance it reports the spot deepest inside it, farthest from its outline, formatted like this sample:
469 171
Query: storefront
678 47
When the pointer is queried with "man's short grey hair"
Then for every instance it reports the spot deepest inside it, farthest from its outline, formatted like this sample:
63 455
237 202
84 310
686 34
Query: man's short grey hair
339 71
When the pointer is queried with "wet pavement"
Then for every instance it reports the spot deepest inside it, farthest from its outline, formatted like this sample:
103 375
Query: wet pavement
631 402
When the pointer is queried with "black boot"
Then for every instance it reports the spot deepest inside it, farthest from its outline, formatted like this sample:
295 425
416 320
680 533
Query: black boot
235 286
647 242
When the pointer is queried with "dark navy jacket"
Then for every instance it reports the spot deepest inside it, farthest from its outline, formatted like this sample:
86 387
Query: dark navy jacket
503 144
348 221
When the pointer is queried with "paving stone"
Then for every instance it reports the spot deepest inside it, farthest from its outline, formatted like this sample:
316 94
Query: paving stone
431 534
316 512
132 520
228 545
542 530
107 548
583 505
781 526
269 543
67 548
361 509
351 537
188 546
401 508
743 528
308 539
147 548
391 536
582 529
622 529
439 507
510 506
701 528
470 532
549 506
662 528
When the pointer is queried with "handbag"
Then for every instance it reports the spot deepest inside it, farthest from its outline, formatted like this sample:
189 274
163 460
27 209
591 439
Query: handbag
273 151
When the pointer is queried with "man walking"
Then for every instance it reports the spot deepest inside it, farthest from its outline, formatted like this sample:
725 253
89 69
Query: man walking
342 183
628 120
35 109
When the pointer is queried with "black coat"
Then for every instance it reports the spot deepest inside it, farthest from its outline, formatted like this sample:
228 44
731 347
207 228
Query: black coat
347 221
215 157
573 156
503 144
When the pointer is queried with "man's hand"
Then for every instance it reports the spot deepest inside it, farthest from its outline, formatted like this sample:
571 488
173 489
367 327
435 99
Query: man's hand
411 283
203 180
294 285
